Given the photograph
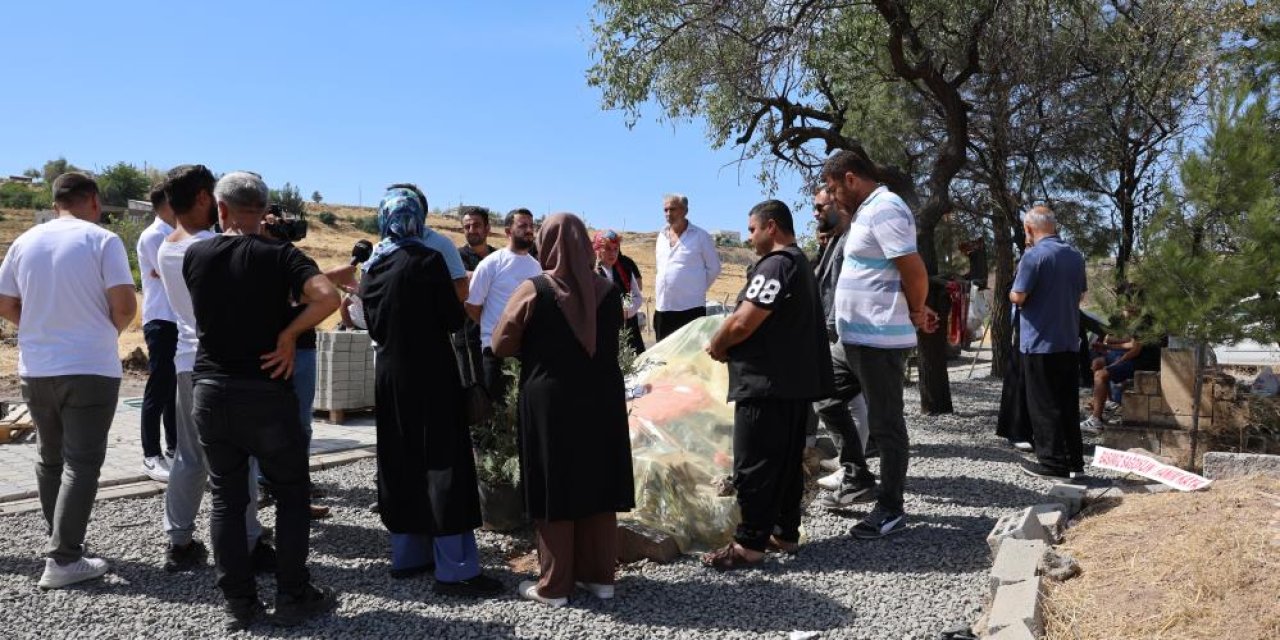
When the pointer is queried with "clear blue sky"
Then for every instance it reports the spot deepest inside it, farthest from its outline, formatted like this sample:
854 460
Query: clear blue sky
485 102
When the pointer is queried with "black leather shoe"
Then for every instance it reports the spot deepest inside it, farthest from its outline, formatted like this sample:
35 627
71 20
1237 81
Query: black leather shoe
481 586
295 609
241 613
185 558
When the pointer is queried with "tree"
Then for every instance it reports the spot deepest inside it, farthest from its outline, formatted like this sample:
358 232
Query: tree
54 168
32 173
121 182
289 197
316 197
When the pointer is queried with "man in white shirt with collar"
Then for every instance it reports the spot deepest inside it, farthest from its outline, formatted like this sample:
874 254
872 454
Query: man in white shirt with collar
160 331
687 264
492 283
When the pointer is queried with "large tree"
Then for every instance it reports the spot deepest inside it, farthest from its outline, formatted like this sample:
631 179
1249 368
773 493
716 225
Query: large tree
791 81
122 182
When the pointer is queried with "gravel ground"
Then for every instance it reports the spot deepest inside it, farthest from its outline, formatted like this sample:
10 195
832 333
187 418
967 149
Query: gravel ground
911 585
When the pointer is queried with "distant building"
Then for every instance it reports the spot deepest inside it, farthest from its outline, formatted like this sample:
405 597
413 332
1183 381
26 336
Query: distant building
21 179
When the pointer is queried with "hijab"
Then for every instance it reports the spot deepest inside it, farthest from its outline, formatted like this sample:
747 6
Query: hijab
402 221
567 258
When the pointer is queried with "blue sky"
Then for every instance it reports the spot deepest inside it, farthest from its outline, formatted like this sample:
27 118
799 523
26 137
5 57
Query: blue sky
484 102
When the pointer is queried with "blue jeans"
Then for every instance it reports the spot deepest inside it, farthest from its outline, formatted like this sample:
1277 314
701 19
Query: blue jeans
158 397
304 385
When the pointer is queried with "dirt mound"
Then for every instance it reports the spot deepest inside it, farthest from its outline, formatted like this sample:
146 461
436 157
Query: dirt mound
1175 565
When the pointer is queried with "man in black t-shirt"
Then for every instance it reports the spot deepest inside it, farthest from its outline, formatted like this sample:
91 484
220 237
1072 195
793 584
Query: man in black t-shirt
776 347
466 341
241 286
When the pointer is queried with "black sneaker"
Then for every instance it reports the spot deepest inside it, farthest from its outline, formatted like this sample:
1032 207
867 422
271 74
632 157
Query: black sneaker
849 494
295 609
241 613
481 586
263 557
1037 470
189 557
412 572
878 524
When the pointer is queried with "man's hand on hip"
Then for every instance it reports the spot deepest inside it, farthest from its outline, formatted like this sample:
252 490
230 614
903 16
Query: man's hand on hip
279 363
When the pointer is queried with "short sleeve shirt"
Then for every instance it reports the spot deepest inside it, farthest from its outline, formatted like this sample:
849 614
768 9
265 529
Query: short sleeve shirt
452 260
155 304
1052 274
494 280
242 288
61 271
870 305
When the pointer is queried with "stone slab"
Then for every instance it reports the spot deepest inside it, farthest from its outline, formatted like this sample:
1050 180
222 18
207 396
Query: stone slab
1219 465
639 542
1070 495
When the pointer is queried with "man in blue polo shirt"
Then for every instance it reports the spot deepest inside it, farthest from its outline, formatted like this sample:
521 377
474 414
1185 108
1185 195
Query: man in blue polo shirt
436 241
1049 286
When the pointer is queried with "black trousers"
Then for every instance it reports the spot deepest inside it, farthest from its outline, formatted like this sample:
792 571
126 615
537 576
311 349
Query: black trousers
494 380
835 413
1053 407
881 372
466 346
666 323
160 394
634 337
239 419
768 454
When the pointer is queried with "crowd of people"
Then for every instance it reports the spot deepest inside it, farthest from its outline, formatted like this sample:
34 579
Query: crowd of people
230 313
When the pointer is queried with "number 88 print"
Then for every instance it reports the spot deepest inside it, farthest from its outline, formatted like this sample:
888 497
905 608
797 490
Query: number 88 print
763 291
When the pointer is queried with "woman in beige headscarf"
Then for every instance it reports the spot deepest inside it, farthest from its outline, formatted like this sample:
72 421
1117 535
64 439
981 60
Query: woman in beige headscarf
575 455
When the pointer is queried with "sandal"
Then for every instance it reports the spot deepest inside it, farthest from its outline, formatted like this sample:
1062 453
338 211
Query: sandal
727 558
778 545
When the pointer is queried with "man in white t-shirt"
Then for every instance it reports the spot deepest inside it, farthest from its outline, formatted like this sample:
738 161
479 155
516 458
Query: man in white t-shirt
492 283
161 335
189 191
687 264
66 285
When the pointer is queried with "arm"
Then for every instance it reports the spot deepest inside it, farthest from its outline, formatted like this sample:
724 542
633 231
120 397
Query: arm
736 328
11 309
343 277
1017 297
321 300
711 258
915 284
123 305
474 311
1024 279
478 289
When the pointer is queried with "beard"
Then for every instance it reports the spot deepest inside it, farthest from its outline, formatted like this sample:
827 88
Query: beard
475 239
829 220
521 243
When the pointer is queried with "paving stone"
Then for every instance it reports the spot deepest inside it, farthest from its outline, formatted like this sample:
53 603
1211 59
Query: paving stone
1219 465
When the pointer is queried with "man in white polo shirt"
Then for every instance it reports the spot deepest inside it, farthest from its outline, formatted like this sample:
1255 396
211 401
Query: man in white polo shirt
687 264
66 285
161 334
879 306
492 283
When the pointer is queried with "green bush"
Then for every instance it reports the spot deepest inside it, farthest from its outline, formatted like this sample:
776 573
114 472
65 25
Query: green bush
129 229
369 224
16 195
328 218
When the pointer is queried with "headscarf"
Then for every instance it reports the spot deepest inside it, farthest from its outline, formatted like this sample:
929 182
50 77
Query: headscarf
564 250
606 237
601 237
402 221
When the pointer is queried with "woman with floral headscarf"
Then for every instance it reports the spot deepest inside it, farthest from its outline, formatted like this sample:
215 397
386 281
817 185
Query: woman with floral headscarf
575 454
625 275
427 493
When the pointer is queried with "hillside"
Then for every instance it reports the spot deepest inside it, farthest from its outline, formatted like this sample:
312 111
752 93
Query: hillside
330 246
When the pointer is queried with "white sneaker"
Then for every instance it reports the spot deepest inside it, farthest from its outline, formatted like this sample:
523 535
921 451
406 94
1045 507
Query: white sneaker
529 591
831 481
56 577
602 591
1024 446
1092 425
155 468
1110 406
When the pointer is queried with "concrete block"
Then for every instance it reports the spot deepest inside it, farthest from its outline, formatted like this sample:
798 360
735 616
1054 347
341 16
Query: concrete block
1017 561
1147 382
1017 604
1219 465
637 542
1013 632
1134 408
1157 404
1132 437
1070 495
1023 525
1053 517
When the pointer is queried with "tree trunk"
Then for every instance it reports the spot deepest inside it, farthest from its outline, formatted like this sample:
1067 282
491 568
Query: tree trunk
1001 318
1126 200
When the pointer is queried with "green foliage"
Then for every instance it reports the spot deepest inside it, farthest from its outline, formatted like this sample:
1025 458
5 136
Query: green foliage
54 168
328 217
316 197
1211 268
16 195
289 197
121 182
129 229
368 224
497 452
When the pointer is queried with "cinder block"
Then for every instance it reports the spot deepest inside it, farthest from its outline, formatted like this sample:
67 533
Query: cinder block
1219 465
1053 517
1017 604
1069 495
1017 561
1012 632
1135 408
637 542
1147 382
1023 525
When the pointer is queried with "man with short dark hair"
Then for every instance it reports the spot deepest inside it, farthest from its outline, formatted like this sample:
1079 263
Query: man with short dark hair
242 284
440 243
66 286
495 279
1048 288
879 307
160 331
466 343
778 364
687 265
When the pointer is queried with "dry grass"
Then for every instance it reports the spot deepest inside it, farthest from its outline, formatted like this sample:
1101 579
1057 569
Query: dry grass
1176 566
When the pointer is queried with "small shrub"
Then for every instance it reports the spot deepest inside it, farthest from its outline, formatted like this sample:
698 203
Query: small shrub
328 218
369 224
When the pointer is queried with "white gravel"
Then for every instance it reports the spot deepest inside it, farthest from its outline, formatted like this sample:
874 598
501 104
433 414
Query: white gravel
911 585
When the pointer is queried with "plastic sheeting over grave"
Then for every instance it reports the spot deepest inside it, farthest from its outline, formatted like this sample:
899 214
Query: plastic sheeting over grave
682 439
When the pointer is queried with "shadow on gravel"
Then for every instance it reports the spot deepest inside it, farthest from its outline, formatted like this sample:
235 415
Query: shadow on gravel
995 451
350 541
930 544
384 624
743 601
974 492
126 577
359 497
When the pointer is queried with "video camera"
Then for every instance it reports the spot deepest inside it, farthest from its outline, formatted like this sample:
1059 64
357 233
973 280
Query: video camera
286 226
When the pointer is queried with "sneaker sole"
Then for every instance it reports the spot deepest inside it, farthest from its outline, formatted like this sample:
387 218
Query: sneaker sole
1033 474
48 586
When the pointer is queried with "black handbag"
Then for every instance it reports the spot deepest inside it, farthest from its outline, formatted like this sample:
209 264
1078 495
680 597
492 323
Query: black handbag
477 406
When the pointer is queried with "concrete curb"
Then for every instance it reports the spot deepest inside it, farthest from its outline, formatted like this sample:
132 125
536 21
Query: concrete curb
145 488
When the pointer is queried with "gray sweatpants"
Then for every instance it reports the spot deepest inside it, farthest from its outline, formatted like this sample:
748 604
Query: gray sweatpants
190 473
72 415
